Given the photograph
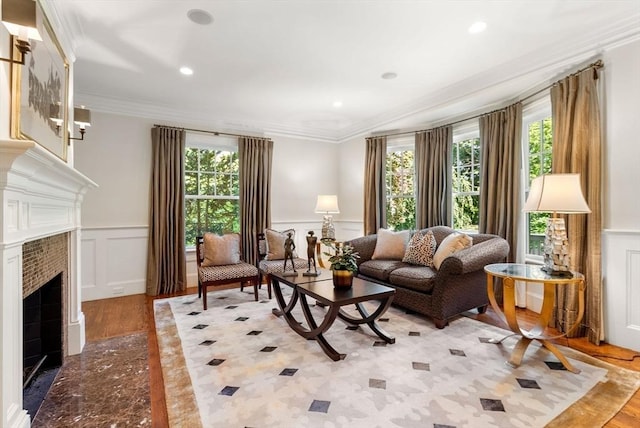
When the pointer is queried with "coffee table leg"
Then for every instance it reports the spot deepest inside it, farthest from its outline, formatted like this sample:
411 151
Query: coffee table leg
285 308
370 319
315 331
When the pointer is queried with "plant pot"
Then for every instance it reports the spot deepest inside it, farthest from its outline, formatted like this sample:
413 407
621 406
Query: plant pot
342 278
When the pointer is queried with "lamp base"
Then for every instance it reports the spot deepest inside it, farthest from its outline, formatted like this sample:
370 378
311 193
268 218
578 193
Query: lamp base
328 231
556 248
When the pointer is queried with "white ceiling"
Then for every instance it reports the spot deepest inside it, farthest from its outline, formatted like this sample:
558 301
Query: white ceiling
277 67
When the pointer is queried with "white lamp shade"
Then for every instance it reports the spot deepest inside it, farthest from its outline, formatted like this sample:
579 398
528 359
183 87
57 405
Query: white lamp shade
559 193
327 204
82 116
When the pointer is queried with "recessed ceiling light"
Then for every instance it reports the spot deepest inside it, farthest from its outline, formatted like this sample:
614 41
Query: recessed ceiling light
199 16
186 71
477 27
337 104
389 75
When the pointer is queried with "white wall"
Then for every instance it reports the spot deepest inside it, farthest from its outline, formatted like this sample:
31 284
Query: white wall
621 237
116 154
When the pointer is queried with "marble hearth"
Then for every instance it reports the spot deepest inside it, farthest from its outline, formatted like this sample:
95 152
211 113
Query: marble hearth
41 197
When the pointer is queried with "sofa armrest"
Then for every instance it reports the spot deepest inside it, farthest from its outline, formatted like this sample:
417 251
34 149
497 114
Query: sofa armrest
476 257
364 246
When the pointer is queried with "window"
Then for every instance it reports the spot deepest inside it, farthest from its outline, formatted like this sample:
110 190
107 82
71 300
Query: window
538 162
466 184
401 198
211 189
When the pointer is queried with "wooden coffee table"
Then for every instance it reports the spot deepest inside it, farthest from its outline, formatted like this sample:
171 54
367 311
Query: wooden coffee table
322 290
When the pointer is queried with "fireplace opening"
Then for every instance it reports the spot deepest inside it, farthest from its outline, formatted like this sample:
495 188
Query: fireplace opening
42 342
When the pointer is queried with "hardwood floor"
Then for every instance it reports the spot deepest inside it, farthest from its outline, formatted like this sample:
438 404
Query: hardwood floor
131 314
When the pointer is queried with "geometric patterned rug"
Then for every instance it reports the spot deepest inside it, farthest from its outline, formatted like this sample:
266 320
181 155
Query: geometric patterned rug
237 365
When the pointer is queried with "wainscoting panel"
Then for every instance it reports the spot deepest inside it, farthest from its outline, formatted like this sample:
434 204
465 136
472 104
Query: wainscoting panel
621 278
113 261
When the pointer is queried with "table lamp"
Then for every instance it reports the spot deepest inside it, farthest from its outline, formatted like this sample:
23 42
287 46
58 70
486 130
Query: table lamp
556 193
327 205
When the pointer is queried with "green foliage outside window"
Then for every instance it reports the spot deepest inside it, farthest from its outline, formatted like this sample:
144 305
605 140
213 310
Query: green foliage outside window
466 184
540 146
211 192
401 200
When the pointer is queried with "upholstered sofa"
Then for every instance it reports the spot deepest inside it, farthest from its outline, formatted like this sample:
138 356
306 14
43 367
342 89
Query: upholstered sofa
457 286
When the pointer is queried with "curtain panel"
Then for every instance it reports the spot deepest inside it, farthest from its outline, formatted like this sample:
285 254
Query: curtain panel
433 177
577 148
375 197
255 156
166 263
500 141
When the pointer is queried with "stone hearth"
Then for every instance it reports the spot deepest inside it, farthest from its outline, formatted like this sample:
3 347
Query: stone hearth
41 197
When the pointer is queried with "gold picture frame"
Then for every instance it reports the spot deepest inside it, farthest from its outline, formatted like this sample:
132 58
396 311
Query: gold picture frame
42 81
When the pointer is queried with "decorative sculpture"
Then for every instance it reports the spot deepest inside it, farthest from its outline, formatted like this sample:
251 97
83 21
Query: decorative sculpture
312 241
289 247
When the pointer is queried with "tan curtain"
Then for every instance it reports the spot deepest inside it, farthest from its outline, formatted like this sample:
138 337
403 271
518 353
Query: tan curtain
166 264
255 156
577 148
433 177
375 198
500 142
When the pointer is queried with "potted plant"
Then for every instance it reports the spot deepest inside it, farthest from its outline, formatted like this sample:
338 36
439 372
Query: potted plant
343 264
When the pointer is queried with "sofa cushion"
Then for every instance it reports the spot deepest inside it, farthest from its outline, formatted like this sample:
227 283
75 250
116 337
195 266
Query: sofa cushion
221 250
391 245
275 243
419 278
451 244
379 269
421 248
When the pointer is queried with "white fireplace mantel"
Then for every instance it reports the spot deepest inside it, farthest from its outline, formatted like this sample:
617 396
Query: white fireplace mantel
41 196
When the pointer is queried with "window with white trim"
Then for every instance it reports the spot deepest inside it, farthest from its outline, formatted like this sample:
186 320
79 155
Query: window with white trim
465 183
538 139
400 185
212 187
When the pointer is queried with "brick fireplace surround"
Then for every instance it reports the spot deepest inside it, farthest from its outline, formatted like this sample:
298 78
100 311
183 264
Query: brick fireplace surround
41 197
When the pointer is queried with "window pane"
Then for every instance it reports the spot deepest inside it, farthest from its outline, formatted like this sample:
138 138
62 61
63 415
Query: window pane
191 183
401 213
534 138
466 212
210 215
207 160
206 184
191 159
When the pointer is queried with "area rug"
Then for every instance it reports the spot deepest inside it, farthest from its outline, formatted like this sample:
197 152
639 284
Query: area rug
237 365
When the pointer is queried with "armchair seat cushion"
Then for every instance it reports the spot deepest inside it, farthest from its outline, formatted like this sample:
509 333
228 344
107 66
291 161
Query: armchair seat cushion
379 269
277 266
419 278
227 272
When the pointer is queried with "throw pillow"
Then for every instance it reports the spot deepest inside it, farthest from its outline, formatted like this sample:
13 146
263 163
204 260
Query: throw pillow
221 250
275 243
421 248
390 245
449 245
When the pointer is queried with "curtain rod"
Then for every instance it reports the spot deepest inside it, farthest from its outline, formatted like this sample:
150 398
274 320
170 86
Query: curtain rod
598 64
210 132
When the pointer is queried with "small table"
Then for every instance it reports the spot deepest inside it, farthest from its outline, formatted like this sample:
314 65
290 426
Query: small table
511 272
322 290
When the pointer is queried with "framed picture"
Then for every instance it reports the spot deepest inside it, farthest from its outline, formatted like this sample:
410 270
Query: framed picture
40 83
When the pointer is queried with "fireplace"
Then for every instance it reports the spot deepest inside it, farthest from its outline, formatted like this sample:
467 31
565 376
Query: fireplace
42 330
40 197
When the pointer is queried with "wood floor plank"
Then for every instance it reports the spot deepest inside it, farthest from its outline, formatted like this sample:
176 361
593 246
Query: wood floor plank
130 314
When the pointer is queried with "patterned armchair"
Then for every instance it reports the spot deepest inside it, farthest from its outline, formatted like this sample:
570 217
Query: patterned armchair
218 269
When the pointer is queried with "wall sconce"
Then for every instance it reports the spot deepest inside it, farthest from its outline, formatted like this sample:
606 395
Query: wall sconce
19 16
81 117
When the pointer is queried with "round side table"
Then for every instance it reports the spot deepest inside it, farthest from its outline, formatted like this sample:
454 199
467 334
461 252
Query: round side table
512 272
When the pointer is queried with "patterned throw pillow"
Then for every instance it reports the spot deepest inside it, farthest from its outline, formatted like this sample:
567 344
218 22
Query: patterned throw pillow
221 250
421 248
390 245
449 245
275 243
